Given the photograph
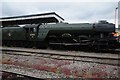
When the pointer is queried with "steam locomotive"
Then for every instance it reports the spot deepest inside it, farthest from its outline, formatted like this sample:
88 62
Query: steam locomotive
88 35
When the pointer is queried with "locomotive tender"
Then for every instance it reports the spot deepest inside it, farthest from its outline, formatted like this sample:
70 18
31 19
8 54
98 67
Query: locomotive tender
97 35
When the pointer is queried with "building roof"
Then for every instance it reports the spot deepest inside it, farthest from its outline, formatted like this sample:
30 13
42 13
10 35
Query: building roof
51 17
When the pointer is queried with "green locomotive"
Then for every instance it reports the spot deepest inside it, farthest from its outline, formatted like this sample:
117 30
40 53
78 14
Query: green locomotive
49 30
97 35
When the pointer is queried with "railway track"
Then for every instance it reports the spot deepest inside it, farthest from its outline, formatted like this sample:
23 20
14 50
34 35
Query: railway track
13 76
107 58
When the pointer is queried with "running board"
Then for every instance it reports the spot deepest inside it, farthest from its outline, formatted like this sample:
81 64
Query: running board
68 44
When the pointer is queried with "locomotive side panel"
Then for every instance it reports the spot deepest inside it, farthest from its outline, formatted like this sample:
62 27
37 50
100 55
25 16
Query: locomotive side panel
42 34
13 33
69 34
61 28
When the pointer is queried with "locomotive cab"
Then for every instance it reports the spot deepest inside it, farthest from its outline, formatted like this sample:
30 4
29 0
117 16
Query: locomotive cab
31 32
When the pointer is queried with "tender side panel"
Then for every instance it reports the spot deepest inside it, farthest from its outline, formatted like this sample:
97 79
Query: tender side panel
13 33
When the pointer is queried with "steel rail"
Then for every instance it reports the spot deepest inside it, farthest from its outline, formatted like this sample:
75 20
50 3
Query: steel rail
110 60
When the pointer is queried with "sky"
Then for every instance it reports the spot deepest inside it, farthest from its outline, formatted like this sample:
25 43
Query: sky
87 11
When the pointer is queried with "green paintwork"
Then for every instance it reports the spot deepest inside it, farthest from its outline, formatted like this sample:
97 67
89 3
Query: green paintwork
19 33
60 28
13 33
42 34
